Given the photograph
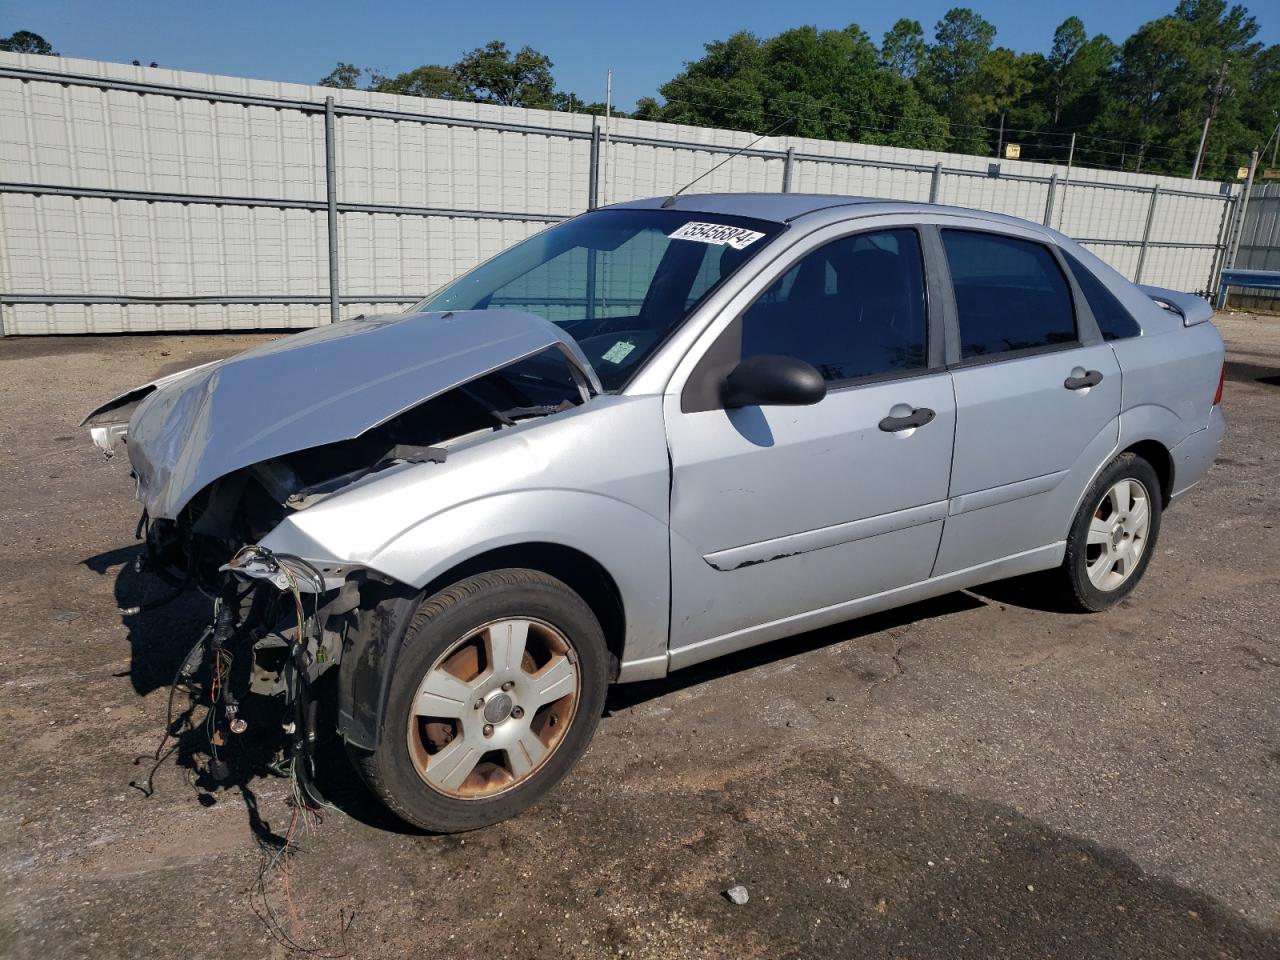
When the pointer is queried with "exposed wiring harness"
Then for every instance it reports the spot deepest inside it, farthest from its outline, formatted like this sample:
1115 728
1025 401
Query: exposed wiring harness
245 610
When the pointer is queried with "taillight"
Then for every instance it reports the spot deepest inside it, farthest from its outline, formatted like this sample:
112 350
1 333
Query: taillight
1217 396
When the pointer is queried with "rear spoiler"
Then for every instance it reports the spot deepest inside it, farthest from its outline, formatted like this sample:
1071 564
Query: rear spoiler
1189 307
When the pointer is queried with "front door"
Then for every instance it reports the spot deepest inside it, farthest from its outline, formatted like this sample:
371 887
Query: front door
779 513
1037 400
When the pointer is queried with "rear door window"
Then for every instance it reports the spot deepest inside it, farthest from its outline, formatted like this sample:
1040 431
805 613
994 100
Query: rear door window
1011 294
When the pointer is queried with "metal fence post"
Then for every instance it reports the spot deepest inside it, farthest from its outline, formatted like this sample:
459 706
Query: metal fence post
1048 203
1229 207
1146 234
331 191
1241 211
935 184
788 165
593 168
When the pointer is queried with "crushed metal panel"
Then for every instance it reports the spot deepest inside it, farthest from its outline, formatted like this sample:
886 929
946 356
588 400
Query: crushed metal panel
321 386
117 409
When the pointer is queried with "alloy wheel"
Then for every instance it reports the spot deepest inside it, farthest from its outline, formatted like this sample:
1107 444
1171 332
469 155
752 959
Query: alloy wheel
493 708
1118 534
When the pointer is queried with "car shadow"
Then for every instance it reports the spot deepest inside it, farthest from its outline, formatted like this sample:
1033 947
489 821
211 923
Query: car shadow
624 696
1033 591
1238 372
159 637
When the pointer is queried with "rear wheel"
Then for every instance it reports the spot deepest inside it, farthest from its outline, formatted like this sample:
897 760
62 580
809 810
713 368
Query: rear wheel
495 695
1113 536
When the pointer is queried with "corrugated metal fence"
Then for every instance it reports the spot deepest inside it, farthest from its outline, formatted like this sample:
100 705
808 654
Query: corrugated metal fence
1259 247
137 199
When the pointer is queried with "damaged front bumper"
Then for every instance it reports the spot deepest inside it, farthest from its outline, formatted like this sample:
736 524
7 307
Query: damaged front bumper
224 455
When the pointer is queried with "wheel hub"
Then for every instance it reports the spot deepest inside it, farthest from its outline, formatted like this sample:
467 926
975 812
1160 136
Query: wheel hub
498 707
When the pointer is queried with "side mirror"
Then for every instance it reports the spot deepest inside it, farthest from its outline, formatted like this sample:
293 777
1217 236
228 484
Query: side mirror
772 380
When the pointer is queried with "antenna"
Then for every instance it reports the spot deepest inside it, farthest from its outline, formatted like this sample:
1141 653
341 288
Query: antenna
672 199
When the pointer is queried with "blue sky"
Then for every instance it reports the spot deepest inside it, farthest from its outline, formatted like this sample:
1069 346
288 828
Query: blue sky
645 43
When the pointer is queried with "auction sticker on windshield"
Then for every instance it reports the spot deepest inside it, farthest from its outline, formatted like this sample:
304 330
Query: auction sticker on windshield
718 234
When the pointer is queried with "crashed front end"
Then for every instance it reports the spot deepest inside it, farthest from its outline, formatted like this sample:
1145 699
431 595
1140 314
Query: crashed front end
225 454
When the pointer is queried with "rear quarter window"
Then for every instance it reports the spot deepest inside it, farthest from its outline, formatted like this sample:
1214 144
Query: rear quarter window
1114 320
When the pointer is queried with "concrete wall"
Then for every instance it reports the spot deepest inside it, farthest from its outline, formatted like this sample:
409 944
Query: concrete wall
422 196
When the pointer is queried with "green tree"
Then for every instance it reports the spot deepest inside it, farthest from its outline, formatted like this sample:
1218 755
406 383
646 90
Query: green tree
1167 80
648 108
1002 79
429 80
569 102
24 41
493 74
1224 71
1139 105
961 40
723 88
344 76
1068 40
904 49
827 84
490 74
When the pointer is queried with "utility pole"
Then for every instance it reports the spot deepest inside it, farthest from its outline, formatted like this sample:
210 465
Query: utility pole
1071 155
1219 89
1000 137
608 153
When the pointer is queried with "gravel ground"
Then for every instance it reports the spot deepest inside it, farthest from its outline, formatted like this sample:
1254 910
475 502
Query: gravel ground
973 776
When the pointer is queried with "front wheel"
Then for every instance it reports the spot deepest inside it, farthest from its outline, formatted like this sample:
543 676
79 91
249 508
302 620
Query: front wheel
495 695
1113 537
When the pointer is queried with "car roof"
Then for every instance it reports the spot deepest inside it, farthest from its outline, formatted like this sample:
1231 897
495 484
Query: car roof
779 207
789 207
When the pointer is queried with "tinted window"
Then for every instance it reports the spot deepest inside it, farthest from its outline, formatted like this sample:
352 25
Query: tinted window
853 308
1010 294
1113 319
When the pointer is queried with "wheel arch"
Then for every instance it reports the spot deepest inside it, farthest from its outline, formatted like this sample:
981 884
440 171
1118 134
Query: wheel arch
1161 460
580 572
369 659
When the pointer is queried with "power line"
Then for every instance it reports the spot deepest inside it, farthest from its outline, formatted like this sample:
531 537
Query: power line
921 125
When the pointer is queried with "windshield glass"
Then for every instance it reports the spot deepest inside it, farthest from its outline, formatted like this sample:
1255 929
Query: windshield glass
617 281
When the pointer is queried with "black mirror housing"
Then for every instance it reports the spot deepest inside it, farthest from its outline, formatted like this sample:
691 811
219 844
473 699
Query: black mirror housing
772 380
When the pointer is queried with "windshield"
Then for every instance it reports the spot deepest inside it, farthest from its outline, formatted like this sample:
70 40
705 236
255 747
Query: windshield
617 281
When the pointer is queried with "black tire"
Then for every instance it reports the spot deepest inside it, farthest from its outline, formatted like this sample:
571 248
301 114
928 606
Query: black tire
442 620
1071 580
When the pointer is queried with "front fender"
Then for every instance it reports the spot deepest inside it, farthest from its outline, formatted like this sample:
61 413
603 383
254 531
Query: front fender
628 542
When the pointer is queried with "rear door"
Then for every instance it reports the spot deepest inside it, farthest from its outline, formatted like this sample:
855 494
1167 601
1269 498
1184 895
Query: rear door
1037 397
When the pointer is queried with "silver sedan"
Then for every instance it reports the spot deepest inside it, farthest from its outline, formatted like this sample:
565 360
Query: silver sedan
654 434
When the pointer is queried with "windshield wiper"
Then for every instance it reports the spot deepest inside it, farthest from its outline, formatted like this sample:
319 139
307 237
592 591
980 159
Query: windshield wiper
509 416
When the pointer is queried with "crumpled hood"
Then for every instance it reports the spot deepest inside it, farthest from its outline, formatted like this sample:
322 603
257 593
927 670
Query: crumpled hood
321 386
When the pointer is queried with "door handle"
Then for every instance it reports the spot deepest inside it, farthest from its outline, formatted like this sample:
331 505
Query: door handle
916 418
1091 379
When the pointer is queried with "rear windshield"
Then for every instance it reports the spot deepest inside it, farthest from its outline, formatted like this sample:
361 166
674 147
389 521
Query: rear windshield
617 281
